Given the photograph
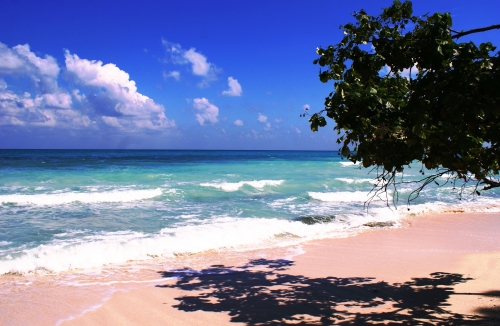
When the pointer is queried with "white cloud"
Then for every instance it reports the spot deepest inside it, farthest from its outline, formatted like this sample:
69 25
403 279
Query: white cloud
297 130
44 109
13 121
406 73
77 95
60 100
49 121
114 94
208 111
104 95
238 122
199 63
20 61
278 120
9 60
47 66
263 119
83 122
306 107
112 121
172 74
176 51
234 87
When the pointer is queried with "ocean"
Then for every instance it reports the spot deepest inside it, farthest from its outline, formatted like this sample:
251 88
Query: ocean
73 210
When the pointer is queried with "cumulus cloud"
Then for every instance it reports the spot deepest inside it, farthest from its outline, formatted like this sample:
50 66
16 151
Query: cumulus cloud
172 74
19 61
10 61
112 121
45 110
234 87
60 100
199 63
101 95
262 118
50 105
114 94
238 122
47 66
208 111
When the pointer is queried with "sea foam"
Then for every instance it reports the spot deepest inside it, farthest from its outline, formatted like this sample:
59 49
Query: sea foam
346 163
340 196
87 197
222 233
120 247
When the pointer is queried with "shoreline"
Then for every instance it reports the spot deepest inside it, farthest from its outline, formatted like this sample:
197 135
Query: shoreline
435 268
441 268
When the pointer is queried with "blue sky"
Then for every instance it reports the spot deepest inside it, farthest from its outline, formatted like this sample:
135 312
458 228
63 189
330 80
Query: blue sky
177 75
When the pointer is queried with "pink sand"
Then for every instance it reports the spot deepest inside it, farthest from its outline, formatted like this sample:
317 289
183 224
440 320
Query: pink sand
437 269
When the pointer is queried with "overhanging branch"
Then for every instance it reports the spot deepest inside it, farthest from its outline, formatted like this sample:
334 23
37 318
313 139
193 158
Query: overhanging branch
490 184
476 30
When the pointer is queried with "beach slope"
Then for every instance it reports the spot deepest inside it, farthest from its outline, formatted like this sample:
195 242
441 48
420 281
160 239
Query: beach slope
439 269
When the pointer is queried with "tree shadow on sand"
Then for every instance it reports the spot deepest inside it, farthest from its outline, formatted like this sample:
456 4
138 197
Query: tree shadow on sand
261 293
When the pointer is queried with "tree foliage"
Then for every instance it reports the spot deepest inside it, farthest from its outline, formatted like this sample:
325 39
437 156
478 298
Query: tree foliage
405 90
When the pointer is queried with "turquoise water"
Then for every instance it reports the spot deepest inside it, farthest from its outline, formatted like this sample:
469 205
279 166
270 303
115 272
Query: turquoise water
68 209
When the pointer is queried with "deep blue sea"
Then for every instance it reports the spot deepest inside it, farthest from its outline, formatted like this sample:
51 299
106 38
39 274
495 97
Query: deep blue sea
66 210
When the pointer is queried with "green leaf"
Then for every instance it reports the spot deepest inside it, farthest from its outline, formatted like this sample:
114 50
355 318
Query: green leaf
442 117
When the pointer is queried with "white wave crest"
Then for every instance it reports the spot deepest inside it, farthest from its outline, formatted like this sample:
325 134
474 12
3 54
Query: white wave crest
234 186
478 205
120 247
341 196
282 202
228 233
88 197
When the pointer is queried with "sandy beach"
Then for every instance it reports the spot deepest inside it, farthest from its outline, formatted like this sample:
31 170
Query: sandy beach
437 270
442 269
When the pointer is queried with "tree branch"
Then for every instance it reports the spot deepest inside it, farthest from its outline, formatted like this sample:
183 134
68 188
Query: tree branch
476 30
490 184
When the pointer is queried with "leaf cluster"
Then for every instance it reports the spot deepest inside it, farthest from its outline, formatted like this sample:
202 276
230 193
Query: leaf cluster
405 91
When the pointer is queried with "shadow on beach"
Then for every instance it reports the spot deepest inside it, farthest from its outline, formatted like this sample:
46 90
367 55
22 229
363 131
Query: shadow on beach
261 293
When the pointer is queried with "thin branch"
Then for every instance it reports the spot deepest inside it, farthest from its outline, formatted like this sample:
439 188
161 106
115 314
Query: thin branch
476 30
425 181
